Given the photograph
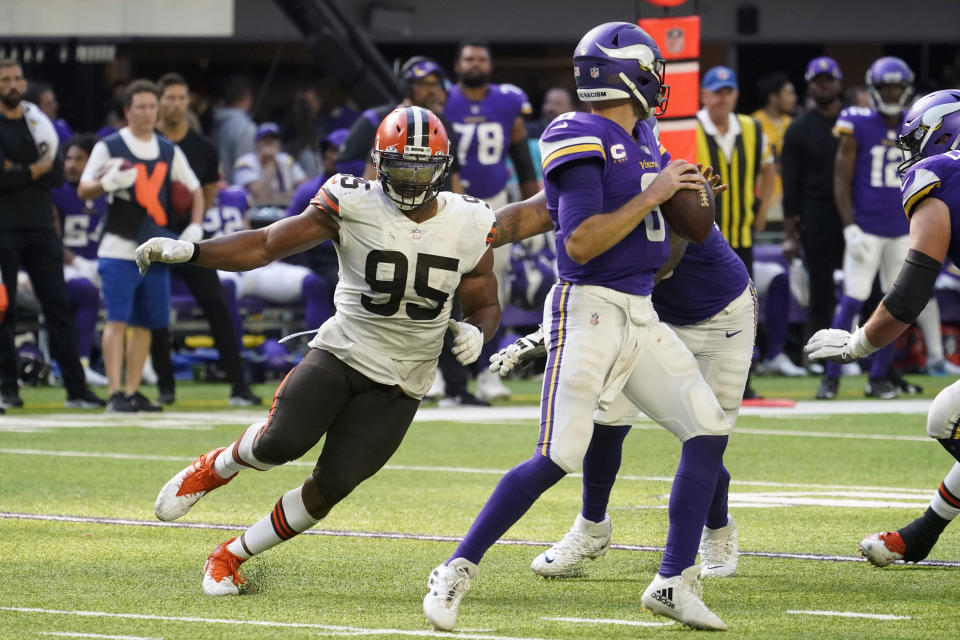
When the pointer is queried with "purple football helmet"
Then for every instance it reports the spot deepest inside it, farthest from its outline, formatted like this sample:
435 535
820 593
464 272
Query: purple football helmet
930 127
889 70
617 60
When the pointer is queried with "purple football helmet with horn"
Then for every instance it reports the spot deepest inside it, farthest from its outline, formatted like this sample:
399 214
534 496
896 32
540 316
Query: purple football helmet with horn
617 60
930 127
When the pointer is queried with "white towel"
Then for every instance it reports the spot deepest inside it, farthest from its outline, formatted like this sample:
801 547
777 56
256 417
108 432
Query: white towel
42 130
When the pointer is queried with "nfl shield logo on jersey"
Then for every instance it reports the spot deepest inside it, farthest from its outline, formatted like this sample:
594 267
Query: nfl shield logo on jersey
675 40
594 319
594 72
416 234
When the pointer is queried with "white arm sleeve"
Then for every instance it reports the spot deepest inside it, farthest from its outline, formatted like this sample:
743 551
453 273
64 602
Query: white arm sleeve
98 157
181 171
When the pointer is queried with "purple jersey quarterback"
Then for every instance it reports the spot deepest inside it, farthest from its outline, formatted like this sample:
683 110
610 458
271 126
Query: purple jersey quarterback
628 166
483 135
708 278
80 220
936 177
875 181
226 213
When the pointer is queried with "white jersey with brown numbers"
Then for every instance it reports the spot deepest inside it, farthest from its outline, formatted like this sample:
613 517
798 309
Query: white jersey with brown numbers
397 279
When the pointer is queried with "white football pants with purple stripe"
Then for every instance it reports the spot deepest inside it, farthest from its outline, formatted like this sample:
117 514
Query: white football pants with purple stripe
602 342
723 348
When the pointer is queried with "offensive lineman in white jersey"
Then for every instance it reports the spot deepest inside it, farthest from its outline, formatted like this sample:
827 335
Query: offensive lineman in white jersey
404 248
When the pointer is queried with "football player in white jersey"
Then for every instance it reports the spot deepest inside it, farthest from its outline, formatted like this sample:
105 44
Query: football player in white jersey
404 248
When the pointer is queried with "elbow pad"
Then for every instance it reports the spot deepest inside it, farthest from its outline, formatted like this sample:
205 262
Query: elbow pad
520 154
913 288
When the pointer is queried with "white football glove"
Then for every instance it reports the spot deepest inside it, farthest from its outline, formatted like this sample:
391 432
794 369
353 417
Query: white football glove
467 342
837 345
163 250
853 237
193 233
87 269
522 351
116 178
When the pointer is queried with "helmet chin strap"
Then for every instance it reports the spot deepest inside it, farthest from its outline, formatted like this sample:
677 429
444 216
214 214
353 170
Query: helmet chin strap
636 92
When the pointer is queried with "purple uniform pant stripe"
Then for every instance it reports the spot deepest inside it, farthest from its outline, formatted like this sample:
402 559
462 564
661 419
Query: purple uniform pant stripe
551 378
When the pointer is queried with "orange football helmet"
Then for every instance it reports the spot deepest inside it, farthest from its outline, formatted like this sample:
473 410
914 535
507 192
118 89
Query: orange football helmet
412 156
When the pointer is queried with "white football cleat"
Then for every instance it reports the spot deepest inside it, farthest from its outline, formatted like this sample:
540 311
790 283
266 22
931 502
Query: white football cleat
490 386
585 540
782 365
446 587
681 598
719 551
882 549
438 388
221 573
183 490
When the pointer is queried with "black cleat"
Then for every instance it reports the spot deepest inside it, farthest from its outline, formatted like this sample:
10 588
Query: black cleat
166 396
828 388
242 396
881 388
86 400
141 403
8 400
119 403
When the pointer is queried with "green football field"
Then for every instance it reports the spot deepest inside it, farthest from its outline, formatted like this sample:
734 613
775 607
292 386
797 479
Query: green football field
82 554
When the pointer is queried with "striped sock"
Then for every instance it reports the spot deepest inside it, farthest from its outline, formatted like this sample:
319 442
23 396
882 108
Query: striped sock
239 455
946 501
288 518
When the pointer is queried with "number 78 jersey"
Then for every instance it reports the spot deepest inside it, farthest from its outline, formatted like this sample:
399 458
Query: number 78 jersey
397 278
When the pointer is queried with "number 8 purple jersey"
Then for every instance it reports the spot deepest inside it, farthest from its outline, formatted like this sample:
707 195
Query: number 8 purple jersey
628 167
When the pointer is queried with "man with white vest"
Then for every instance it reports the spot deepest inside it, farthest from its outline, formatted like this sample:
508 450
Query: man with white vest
29 168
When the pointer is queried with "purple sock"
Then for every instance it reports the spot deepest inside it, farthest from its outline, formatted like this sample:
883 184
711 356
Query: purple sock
717 516
880 362
849 308
228 289
316 301
85 302
515 492
600 466
777 312
693 490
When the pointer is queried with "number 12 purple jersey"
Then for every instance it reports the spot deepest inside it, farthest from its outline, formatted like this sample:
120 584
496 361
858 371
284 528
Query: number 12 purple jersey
628 167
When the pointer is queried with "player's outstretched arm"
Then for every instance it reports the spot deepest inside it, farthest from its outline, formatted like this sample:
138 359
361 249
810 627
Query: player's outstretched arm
244 250
929 238
520 220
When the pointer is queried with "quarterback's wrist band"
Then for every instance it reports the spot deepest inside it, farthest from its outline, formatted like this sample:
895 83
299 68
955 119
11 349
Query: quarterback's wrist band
196 252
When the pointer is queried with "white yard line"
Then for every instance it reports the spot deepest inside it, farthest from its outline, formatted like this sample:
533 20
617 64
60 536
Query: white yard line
337 629
888 492
629 623
77 634
850 614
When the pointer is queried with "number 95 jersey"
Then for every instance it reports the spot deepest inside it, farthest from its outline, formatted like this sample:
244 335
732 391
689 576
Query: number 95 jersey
397 278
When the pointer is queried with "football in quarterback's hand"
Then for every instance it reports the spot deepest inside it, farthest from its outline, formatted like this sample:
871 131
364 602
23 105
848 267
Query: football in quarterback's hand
690 212
181 199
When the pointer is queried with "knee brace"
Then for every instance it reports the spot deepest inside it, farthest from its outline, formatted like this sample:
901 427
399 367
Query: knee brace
944 415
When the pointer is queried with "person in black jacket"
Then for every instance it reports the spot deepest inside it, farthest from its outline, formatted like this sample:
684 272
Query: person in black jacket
29 239
810 217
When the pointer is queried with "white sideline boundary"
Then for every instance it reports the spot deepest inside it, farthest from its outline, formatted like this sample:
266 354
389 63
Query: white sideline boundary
849 614
331 628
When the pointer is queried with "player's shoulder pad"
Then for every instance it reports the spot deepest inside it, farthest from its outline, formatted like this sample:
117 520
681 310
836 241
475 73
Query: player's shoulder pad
849 118
519 96
571 136
925 178
339 192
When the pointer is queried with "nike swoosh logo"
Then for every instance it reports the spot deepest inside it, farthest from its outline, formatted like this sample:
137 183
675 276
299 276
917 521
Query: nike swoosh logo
547 558
730 334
